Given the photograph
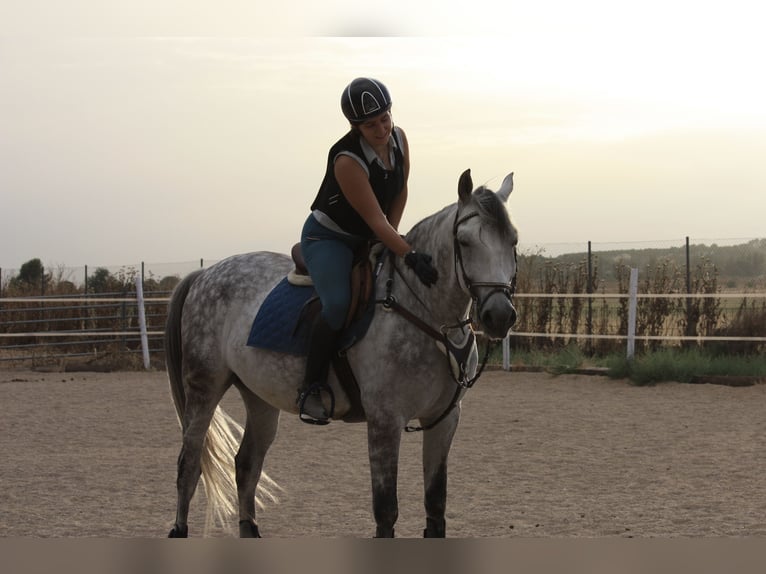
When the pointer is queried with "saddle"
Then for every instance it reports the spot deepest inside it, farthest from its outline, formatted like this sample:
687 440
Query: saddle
362 281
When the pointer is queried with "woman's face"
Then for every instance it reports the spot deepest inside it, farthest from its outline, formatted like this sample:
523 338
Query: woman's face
377 130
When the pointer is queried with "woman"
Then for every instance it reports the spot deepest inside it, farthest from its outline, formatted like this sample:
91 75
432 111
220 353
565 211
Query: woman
361 198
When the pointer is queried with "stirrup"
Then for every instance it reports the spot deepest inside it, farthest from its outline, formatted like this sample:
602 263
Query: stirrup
315 389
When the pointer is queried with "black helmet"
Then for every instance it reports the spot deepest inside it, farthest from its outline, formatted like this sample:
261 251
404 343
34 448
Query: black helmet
364 98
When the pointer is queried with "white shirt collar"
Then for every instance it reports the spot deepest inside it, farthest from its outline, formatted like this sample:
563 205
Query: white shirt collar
370 155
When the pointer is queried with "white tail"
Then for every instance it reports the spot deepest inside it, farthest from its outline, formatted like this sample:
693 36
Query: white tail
219 476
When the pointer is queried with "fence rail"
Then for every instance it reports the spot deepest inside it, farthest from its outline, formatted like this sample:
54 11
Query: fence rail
132 337
640 295
45 328
711 292
618 337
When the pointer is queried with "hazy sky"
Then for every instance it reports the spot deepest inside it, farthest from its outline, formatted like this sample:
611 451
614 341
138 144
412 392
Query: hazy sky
174 131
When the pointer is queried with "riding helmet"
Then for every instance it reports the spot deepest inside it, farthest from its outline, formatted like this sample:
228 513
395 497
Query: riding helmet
364 98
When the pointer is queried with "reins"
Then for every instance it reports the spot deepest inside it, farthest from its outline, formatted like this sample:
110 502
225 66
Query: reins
390 303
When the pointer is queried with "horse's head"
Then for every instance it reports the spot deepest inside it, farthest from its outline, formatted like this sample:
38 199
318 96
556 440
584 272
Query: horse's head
485 253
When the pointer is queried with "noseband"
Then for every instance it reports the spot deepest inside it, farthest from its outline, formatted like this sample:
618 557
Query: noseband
507 289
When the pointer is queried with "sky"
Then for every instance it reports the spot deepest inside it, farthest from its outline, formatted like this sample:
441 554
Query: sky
172 131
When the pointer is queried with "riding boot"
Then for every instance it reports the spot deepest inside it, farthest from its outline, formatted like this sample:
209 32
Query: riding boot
323 341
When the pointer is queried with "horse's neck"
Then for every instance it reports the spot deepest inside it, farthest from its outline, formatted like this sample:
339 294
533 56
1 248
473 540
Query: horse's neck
445 302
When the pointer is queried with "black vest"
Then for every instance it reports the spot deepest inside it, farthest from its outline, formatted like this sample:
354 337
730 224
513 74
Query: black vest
386 185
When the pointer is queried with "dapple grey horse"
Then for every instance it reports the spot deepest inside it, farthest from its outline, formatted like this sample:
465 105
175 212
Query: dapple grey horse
400 364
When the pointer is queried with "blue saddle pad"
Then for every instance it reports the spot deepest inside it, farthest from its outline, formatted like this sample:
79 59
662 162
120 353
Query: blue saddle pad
280 325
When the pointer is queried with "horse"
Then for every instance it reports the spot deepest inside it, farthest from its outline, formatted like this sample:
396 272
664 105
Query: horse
399 364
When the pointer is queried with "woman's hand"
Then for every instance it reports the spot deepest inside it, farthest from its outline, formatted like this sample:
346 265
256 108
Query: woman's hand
421 264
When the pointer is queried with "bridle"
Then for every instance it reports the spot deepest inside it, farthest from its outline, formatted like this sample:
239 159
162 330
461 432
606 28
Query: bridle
390 303
508 289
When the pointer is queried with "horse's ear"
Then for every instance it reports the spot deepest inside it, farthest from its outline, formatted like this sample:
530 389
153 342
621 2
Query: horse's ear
465 185
506 188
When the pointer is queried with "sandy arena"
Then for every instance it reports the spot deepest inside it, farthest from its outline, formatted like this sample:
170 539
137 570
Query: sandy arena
94 454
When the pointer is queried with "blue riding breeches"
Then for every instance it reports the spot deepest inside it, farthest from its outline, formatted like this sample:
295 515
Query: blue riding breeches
329 257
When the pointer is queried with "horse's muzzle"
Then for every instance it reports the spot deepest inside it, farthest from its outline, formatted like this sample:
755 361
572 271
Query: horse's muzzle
497 314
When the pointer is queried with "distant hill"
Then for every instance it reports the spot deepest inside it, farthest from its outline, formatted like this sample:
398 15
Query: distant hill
743 261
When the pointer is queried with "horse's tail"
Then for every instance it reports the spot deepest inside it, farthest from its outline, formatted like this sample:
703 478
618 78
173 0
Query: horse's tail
224 434
173 351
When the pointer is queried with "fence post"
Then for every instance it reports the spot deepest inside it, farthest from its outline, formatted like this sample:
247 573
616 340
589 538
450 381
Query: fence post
142 321
507 353
691 329
589 290
632 304
41 314
688 270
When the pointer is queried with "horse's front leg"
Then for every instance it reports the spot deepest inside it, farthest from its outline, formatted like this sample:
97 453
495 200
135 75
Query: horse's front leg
436 446
383 440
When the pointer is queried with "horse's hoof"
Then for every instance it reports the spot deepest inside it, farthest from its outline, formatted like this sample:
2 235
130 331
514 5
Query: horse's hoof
435 529
248 529
179 532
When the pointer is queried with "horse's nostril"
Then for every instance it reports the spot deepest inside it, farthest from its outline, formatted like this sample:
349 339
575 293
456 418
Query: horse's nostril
498 321
486 319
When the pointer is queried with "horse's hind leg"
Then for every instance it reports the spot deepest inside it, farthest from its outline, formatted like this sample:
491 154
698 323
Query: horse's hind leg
260 431
436 445
199 409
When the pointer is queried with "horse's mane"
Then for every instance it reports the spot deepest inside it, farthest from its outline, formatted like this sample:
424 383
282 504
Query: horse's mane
490 207
493 210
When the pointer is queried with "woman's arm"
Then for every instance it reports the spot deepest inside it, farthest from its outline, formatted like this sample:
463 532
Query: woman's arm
357 190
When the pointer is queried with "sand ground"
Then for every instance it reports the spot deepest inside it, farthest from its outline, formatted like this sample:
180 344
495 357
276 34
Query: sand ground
94 454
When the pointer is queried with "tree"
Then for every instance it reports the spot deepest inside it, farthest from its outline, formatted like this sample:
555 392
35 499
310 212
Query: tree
31 272
30 276
169 282
101 281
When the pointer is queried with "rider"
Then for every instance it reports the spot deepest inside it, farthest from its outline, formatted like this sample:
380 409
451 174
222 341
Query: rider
361 198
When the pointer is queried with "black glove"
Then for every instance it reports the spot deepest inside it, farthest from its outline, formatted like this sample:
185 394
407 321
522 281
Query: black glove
420 263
